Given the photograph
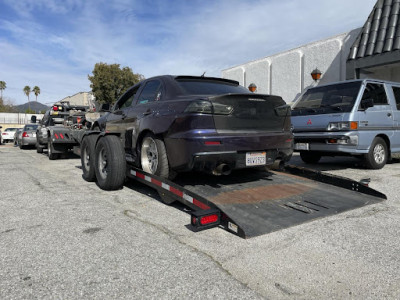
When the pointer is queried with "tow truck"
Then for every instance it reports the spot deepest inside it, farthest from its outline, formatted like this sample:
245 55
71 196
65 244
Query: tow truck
59 130
247 203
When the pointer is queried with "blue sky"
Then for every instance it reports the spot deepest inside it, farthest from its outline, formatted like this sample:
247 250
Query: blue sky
55 44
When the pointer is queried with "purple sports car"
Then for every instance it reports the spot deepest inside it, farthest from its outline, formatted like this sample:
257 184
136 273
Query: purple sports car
171 124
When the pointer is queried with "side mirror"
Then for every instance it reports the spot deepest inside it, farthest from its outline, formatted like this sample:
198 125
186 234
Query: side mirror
366 103
105 107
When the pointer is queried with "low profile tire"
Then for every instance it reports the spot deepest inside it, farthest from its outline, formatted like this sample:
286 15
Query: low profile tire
310 157
378 154
87 158
50 151
110 163
153 157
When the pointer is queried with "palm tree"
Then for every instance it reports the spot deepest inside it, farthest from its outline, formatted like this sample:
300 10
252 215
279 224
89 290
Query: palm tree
2 87
27 91
36 91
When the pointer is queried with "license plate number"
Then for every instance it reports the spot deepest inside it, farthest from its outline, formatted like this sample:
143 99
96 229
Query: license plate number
301 146
256 159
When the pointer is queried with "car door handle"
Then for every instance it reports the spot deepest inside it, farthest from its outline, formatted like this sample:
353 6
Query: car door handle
123 116
147 112
389 114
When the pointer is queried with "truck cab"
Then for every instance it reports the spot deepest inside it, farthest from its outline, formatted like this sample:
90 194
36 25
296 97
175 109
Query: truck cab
358 118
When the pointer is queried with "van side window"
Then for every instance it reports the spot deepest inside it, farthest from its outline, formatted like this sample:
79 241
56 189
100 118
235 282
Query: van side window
396 92
376 92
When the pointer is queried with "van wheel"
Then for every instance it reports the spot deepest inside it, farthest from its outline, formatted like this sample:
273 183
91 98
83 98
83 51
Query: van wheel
153 157
377 156
110 163
310 157
87 158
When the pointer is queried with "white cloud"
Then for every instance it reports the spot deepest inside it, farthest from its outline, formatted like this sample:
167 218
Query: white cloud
55 44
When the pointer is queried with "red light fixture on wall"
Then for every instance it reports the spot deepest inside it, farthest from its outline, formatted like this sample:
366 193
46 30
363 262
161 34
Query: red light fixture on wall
316 74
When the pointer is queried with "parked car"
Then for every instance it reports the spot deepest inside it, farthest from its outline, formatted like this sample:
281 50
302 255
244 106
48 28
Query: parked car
360 118
18 137
171 124
28 137
8 134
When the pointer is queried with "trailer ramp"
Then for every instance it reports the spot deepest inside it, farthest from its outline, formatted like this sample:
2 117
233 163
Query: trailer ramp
255 202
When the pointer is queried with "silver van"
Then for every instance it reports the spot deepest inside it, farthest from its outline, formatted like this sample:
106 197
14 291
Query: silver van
359 118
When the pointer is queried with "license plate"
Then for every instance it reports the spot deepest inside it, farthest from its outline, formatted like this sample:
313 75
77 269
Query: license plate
301 146
255 159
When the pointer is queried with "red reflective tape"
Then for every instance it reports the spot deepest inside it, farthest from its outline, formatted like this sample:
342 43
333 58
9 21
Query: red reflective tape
176 192
56 135
61 135
140 175
200 204
156 182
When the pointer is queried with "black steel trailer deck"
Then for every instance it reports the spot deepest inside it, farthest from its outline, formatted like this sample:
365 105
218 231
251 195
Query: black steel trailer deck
254 202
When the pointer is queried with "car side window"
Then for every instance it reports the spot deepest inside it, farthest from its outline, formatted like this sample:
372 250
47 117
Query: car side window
151 92
396 92
376 92
127 99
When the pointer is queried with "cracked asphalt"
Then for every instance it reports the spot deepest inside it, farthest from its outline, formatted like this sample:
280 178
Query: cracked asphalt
64 238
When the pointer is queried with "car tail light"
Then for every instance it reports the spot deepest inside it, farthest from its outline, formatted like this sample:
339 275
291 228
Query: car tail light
212 143
206 107
3 133
25 134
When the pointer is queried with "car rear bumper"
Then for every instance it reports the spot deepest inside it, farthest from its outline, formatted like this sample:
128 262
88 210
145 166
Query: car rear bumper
206 152
27 141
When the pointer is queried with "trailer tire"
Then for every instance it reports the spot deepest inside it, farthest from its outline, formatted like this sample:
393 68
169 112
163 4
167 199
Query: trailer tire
378 154
153 157
110 163
310 157
87 158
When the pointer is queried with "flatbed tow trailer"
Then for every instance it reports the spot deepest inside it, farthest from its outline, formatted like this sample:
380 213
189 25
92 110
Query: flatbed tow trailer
250 202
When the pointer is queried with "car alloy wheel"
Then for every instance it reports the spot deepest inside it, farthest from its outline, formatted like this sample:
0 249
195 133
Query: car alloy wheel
149 155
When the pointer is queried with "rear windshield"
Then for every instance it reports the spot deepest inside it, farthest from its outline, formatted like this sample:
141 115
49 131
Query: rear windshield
30 127
210 87
328 99
11 129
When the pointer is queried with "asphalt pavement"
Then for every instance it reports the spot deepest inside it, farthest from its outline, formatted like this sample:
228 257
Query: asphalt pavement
64 238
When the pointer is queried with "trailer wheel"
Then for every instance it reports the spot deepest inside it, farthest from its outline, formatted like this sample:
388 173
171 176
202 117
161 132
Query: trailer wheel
153 157
377 156
110 163
87 158
310 157
50 151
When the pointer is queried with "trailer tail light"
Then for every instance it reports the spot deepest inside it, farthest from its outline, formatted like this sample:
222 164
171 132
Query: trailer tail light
25 134
204 219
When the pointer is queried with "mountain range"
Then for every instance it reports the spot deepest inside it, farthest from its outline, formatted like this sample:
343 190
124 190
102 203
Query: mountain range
33 105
